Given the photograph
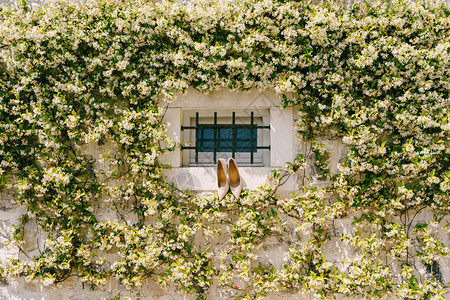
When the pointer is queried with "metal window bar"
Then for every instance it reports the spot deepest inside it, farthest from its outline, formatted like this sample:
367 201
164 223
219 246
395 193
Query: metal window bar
216 129
233 152
251 138
215 138
196 126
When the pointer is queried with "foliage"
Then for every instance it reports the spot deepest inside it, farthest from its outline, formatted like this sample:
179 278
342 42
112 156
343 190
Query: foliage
78 75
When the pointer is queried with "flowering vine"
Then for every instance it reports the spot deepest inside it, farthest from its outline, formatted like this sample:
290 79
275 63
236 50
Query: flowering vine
99 74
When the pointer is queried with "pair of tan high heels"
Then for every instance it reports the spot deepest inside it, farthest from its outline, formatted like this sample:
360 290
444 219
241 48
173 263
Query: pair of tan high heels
232 181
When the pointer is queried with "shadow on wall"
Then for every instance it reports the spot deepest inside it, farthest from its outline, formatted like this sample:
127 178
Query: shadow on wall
184 178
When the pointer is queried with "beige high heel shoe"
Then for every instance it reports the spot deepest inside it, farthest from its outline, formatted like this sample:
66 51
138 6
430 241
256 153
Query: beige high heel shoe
234 178
222 180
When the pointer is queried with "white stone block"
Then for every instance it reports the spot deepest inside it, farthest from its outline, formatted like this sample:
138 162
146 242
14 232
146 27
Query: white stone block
226 99
281 136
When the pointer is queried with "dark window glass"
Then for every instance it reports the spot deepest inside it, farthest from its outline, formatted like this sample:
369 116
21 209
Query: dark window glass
224 142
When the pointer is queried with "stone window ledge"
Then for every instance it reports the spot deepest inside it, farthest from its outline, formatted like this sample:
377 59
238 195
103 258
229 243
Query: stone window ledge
205 178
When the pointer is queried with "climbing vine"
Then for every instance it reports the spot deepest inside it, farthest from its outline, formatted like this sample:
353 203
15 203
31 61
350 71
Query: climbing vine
99 74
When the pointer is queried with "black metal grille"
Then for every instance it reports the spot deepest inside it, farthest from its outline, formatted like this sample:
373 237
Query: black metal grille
232 137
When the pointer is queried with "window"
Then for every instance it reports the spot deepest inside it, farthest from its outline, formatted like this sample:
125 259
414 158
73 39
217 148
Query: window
210 135
186 173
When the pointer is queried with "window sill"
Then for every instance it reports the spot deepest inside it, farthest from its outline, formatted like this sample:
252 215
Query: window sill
205 178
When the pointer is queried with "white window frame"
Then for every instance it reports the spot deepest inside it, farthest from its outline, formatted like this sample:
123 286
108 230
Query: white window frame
282 137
